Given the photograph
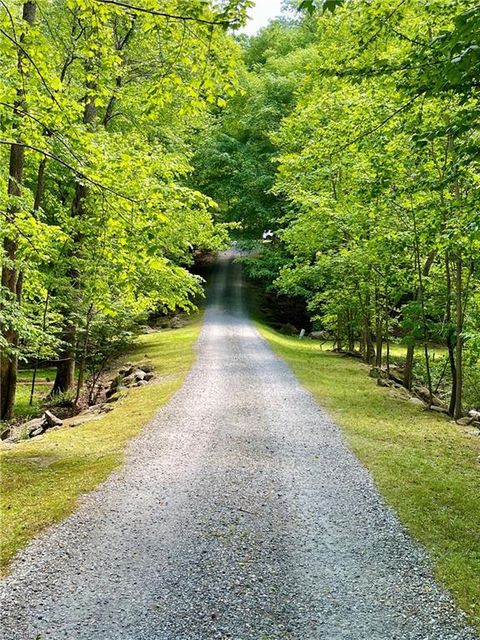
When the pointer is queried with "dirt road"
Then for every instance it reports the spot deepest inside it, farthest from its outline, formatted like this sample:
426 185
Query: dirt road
240 513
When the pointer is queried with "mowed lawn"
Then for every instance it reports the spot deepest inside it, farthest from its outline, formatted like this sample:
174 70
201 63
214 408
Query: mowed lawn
426 467
43 384
42 478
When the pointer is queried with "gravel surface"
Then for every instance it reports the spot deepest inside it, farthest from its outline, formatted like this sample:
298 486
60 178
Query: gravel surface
240 514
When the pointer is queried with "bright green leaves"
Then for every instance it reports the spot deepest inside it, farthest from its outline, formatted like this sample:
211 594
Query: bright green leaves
322 5
113 102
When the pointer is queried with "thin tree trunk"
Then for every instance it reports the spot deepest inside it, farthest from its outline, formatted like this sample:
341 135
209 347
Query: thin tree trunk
459 345
450 336
369 348
81 369
408 377
40 189
12 280
409 360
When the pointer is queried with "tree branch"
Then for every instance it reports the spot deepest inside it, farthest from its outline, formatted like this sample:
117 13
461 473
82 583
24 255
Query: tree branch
68 166
163 14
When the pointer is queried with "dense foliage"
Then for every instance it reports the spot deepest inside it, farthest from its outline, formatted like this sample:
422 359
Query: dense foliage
376 178
350 129
99 109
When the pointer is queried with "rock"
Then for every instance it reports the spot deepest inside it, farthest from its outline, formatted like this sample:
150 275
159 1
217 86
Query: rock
115 397
177 322
36 432
464 422
382 382
149 376
417 402
109 393
397 374
439 409
52 419
93 408
424 394
145 366
6 433
474 414
139 375
33 425
140 383
127 370
399 392
129 380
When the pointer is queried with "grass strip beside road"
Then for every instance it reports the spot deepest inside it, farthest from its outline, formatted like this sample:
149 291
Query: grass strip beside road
426 467
42 478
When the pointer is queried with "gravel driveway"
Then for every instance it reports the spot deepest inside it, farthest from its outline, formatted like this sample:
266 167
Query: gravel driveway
240 514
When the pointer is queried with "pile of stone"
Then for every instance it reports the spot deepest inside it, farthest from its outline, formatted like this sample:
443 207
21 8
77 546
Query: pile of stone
419 395
128 376
471 420
34 427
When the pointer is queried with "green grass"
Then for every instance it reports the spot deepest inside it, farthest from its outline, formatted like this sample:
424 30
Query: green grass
43 477
425 466
43 383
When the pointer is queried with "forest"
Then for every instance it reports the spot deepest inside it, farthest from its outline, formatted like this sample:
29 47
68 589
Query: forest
101 105
240 319
356 140
135 138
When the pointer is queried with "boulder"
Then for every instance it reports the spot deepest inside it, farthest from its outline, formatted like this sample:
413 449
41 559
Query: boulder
115 397
145 366
439 409
109 392
149 376
6 433
35 424
139 375
424 394
36 432
177 322
399 392
127 370
129 380
465 422
382 382
52 419
397 374
474 414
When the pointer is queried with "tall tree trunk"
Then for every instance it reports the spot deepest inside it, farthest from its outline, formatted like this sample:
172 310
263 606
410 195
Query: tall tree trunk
40 189
12 280
65 376
378 329
450 336
459 345
409 360
369 348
